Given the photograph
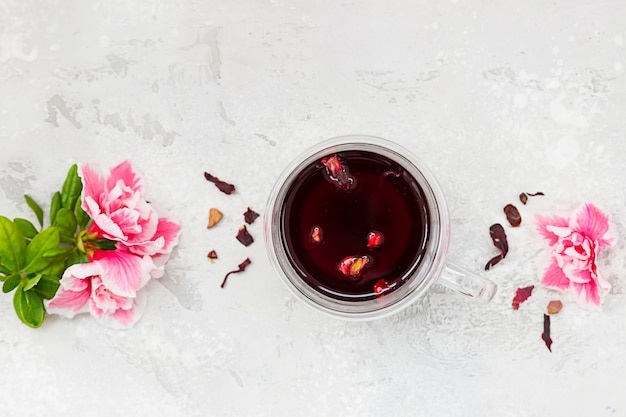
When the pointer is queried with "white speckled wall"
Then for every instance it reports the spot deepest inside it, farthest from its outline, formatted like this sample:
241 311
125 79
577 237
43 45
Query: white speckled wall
496 97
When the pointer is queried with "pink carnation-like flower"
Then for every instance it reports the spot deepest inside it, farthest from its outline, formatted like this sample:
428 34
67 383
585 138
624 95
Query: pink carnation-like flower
121 213
575 244
107 287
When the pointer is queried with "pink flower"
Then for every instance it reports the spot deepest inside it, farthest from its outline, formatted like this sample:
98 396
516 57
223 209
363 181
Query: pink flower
119 211
107 287
575 244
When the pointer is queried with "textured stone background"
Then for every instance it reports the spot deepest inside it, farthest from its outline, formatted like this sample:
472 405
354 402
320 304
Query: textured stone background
496 97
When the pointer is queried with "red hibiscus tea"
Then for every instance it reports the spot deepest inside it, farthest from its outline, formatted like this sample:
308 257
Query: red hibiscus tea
355 225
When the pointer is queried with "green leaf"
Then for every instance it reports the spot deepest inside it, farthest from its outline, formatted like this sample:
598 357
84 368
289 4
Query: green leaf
56 268
42 243
26 227
105 244
11 282
55 205
81 216
76 258
66 222
61 252
4 270
12 246
35 208
72 188
31 281
29 307
47 286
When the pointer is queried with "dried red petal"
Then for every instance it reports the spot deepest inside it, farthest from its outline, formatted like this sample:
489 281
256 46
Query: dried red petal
244 236
212 255
352 266
242 267
382 287
545 336
385 174
221 185
498 236
521 295
316 234
375 239
554 306
250 216
337 172
512 215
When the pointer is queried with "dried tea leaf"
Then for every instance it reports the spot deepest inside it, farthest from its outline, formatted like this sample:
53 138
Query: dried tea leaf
554 306
241 268
214 217
498 236
244 236
522 295
512 215
212 255
545 336
250 216
224 187
535 194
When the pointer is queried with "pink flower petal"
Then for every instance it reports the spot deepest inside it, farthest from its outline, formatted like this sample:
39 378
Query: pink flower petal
74 292
125 318
124 171
591 222
169 231
93 184
122 272
543 224
555 278
587 294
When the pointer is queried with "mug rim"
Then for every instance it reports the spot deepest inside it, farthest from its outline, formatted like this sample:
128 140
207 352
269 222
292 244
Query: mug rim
431 265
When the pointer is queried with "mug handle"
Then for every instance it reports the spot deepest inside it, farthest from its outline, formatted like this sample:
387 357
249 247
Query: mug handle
470 285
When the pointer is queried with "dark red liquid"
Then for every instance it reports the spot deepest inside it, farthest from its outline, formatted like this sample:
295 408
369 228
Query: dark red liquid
383 198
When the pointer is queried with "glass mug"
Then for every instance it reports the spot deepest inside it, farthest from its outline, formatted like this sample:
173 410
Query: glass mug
431 266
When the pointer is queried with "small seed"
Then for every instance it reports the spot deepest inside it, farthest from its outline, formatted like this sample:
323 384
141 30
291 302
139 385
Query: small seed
554 306
214 217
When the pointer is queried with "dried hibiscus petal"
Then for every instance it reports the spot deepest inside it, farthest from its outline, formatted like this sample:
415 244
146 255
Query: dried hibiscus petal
521 295
221 185
498 236
382 286
242 267
554 306
385 174
512 215
545 336
338 172
316 234
250 216
244 236
375 239
352 266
